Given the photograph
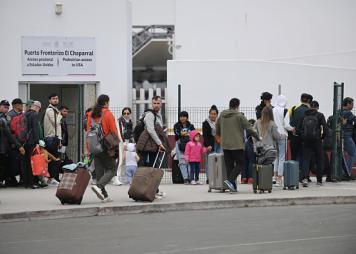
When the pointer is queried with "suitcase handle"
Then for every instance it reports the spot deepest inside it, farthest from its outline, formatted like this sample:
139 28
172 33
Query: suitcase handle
161 161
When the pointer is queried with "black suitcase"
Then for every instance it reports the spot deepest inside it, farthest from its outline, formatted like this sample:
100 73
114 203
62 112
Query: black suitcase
176 173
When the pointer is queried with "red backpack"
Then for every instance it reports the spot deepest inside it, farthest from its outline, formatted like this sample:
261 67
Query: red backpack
18 127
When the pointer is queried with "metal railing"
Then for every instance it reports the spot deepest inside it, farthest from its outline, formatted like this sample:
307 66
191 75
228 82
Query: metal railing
143 34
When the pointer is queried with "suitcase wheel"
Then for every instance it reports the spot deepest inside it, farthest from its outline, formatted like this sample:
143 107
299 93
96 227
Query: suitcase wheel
62 202
297 187
209 190
255 191
270 191
284 188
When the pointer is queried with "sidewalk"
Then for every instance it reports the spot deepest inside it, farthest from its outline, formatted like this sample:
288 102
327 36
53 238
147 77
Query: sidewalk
20 204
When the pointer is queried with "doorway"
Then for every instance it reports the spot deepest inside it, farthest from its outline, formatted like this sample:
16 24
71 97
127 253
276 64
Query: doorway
77 97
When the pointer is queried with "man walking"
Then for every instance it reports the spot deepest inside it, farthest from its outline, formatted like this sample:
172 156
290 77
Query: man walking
312 129
230 127
53 136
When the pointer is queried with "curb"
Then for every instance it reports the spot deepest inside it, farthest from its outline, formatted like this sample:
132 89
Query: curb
159 208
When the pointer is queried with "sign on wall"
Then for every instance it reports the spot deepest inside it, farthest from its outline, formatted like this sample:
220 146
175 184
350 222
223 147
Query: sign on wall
58 56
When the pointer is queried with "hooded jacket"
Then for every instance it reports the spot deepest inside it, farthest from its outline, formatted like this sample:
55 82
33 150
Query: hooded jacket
194 150
321 123
6 137
130 156
281 116
230 127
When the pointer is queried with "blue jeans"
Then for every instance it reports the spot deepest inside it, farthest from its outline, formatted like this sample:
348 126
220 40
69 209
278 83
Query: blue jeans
350 148
194 170
281 157
183 165
130 172
217 149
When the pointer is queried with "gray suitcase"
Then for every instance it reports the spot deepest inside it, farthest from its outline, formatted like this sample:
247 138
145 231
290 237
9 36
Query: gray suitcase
291 175
217 172
262 176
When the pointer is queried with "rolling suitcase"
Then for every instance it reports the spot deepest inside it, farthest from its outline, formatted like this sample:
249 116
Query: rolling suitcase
217 172
146 181
291 175
72 186
262 175
176 173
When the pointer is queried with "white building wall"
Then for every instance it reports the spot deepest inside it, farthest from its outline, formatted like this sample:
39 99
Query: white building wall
153 12
267 30
205 83
108 21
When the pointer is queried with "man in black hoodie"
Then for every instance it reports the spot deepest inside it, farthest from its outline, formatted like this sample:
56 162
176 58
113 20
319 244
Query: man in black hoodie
297 112
266 98
312 129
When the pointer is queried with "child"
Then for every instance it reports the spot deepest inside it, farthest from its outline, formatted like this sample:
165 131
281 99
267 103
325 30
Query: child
131 158
49 158
193 155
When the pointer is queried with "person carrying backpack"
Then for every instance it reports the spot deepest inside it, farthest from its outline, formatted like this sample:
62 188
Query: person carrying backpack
100 124
181 132
312 129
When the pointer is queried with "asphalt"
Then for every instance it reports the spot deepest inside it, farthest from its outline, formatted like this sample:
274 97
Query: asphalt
324 229
20 204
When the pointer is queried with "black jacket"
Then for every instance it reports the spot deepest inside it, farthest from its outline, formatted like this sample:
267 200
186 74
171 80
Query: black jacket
6 138
297 114
64 128
321 123
209 139
33 127
178 127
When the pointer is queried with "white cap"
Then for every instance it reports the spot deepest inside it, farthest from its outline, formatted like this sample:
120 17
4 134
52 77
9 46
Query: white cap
42 143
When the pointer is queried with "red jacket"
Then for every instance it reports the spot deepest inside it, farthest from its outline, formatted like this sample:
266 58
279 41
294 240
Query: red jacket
107 121
194 150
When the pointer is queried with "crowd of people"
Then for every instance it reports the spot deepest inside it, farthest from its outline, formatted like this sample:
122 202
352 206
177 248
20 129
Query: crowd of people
302 131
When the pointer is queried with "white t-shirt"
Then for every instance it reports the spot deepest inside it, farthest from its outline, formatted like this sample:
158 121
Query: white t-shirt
131 158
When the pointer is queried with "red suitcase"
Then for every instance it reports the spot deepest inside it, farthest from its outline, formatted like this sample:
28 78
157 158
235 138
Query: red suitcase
72 186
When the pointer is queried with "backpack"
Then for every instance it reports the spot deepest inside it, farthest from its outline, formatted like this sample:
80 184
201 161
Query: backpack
18 127
95 137
140 126
310 128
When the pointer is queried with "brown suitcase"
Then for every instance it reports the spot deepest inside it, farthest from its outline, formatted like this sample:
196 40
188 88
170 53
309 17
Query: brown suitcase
146 181
72 186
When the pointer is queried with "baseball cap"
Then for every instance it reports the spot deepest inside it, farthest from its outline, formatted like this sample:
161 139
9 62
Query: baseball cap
29 102
4 103
16 101
37 103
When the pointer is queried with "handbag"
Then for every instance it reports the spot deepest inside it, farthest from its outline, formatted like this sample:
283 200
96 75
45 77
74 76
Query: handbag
39 163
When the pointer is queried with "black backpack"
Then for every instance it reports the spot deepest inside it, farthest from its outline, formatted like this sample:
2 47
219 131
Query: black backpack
310 128
140 126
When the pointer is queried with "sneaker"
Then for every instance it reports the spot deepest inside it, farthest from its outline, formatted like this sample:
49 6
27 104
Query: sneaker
198 183
158 197
52 182
319 184
305 183
186 181
274 181
107 200
161 194
116 181
98 192
193 182
230 186
277 184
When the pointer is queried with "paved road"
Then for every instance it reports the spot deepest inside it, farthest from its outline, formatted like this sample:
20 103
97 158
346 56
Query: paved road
292 230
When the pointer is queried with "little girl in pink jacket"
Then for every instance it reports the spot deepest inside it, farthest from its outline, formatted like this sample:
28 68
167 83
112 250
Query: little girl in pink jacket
193 155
